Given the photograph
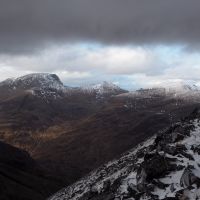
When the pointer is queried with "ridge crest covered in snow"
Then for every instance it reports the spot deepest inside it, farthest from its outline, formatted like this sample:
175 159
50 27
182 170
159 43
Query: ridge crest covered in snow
43 85
35 80
103 89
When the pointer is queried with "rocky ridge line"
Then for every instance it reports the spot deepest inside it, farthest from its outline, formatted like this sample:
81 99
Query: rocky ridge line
166 167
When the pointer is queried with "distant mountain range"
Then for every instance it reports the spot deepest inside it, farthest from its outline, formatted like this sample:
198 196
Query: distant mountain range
49 85
70 131
44 85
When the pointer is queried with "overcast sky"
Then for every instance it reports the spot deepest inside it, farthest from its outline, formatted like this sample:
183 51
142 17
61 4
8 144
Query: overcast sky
133 43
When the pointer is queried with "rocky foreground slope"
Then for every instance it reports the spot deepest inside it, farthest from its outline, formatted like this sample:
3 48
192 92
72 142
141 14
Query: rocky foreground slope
165 167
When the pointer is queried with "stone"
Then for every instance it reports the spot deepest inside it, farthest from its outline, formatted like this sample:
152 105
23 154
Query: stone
160 184
132 189
188 178
197 149
154 166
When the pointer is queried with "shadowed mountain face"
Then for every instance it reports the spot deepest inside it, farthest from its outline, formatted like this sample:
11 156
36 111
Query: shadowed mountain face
71 131
21 177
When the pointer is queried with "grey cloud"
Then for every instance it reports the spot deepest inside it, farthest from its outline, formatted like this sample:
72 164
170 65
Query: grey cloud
26 25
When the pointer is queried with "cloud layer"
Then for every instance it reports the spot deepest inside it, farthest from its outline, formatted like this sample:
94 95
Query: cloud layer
130 66
136 43
27 25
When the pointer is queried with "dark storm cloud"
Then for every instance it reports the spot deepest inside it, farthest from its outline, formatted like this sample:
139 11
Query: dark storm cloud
26 25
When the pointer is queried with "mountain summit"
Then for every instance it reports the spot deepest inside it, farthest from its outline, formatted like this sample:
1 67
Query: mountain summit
107 87
43 85
32 81
104 89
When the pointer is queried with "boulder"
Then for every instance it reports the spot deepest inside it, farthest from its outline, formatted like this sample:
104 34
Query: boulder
187 155
159 184
176 137
132 189
154 166
189 178
197 149
187 194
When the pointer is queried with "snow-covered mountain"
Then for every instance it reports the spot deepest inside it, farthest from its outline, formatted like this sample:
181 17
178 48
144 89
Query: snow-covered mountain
36 80
180 90
47 85
106 87
165 167
103 89
40 84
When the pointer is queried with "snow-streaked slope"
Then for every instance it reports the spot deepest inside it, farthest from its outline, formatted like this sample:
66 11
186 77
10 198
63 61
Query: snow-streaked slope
36 80
47 85
180 85
102 89
182 88
165 167
105 87
178 90
43 85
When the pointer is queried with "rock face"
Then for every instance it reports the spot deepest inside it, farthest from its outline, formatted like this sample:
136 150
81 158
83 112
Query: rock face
165 167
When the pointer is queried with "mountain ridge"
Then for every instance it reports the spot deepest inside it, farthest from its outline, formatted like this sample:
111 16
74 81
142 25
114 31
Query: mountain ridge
34 80
165 167
52 81
47 86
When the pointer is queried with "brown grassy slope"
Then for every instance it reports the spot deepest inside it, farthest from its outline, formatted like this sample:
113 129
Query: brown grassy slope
106 134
